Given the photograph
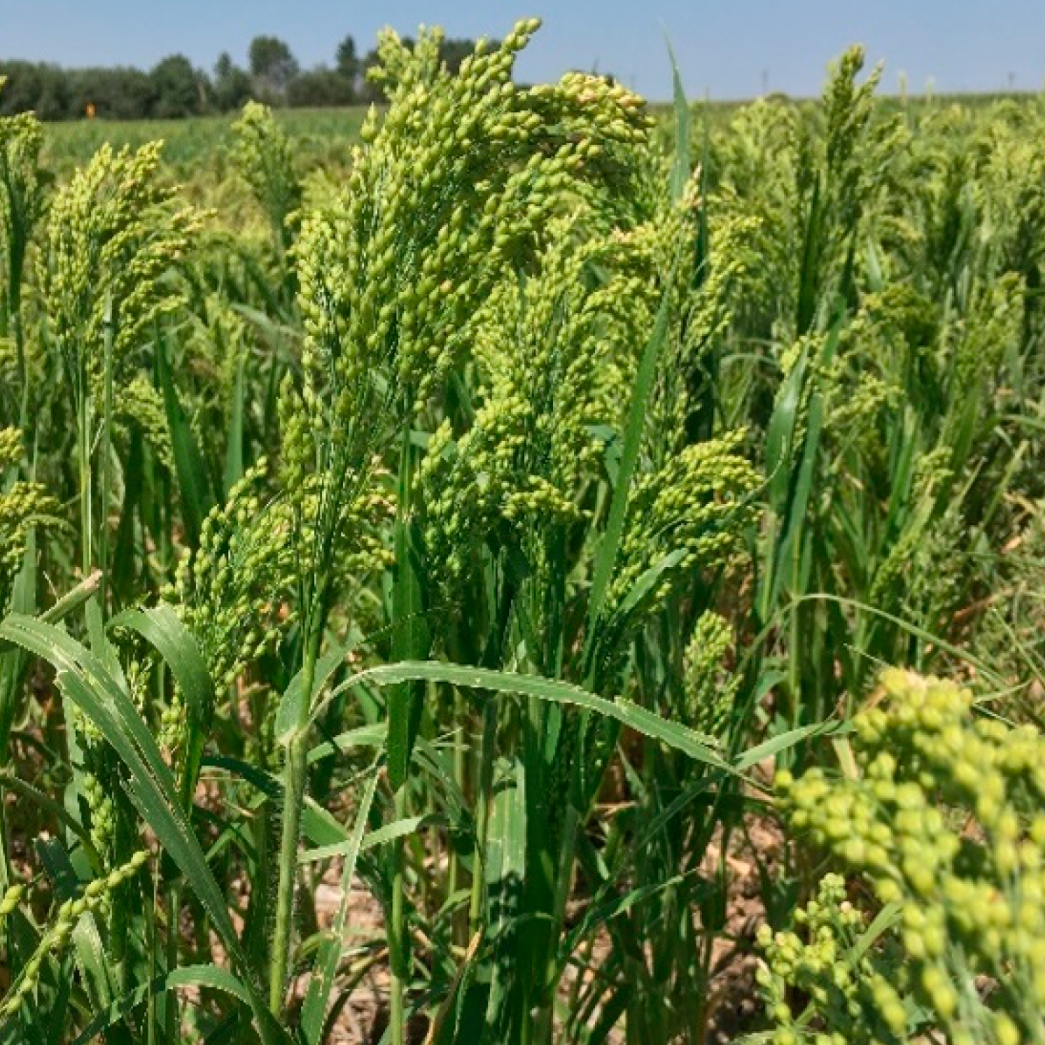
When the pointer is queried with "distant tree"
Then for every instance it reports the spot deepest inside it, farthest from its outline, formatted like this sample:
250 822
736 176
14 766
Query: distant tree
118 93
232 86
348 68
35 86
178 88
175 89
273 66
320 87
347 61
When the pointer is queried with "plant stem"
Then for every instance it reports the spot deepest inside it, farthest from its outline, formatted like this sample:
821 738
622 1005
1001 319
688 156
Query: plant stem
483 803
545 1001
460 927
23 362
397 933
171 997
410 640
106 452
83 449
294 777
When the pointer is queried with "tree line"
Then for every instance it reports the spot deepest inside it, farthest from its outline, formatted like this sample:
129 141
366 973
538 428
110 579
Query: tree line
175 88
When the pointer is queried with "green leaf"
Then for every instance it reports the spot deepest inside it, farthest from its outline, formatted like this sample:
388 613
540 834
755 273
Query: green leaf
234 441
781 432
211 976
411 825
362 736
189 466
289 714
783 742
809 276
681 166
83 679
606 555
410 637
162 628
675 735
54 809
14 666
504 874
646 583
317 824
324 970
72 600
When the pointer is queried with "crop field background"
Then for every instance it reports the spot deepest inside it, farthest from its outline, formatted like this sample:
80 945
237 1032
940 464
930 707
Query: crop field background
521 565
200 146
196 146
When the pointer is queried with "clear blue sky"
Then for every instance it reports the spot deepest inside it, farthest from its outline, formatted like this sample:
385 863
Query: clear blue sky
727 48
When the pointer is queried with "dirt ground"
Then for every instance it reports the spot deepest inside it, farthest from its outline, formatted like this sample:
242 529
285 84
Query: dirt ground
735 1007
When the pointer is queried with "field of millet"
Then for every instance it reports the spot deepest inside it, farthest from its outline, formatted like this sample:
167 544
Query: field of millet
524 566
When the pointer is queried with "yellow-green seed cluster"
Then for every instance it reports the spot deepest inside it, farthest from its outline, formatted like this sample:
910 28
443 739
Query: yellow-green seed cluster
56 938
710 686
944 819
102 811
115 231
229 592
554 353
458 174
22 506
12 897
219 345
23 187
444 186
452 190
140 404
854 999
265 159
698 504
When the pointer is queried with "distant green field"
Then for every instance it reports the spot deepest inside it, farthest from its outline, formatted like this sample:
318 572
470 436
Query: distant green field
321 137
